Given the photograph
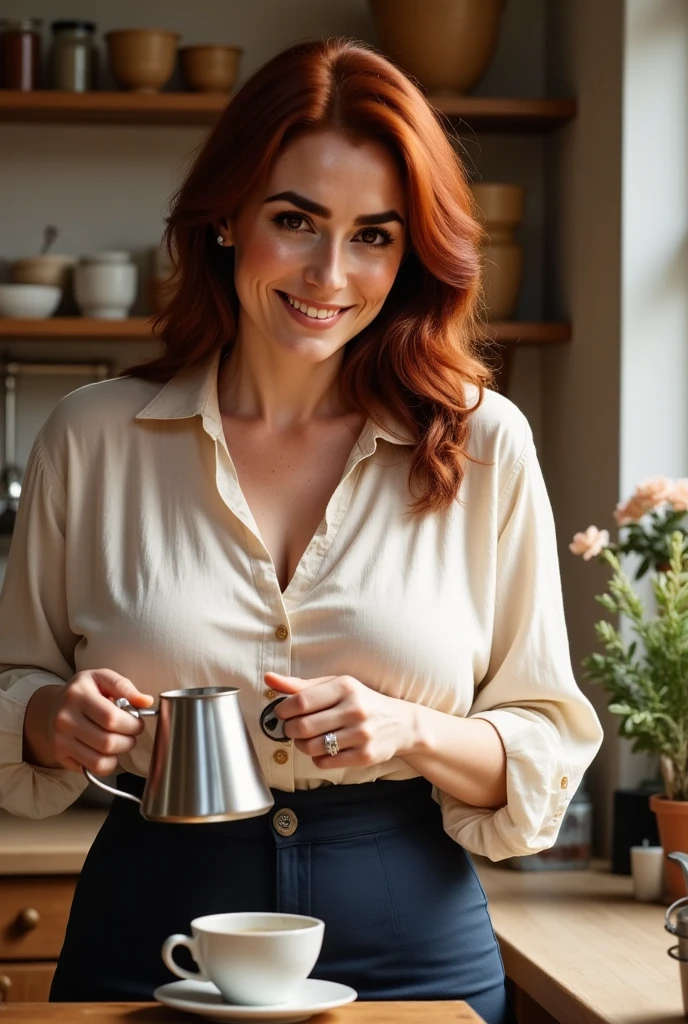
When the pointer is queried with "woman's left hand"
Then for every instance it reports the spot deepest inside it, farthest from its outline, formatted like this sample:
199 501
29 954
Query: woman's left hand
370 727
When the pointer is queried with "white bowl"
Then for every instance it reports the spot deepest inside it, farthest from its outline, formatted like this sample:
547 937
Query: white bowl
36 301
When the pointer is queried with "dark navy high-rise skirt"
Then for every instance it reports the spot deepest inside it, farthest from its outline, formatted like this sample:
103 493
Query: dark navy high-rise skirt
405 914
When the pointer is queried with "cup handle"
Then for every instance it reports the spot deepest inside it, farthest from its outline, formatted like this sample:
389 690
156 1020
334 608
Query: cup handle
181 940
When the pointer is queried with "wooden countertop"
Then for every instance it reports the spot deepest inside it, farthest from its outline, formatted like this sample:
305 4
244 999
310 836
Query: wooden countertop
575 941
582 947
50 846
153 1013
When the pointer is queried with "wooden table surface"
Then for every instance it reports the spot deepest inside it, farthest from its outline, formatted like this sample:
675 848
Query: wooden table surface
582 947
154 1013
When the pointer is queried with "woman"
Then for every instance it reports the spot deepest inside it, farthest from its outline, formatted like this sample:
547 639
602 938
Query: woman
312 493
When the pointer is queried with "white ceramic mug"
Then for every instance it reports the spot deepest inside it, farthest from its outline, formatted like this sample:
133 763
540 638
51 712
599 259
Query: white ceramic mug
254 959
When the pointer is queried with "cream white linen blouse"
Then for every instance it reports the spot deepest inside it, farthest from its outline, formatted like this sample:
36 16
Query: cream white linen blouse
135 550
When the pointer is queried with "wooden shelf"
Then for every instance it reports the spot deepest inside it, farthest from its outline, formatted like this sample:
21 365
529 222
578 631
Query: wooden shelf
497 114
64 328
477 113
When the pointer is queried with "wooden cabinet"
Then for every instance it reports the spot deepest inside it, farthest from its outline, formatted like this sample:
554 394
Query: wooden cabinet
33 917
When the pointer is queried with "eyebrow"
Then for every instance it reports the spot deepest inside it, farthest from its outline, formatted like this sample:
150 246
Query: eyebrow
310 206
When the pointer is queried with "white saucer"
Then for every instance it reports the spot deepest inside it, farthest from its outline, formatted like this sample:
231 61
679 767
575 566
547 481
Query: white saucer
203 997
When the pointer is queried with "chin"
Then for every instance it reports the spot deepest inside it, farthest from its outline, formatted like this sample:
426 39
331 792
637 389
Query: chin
311 350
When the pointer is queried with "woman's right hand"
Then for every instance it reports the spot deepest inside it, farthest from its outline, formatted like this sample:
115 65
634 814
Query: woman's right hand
81 724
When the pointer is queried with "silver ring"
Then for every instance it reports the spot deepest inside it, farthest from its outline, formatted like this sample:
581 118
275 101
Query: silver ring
331 745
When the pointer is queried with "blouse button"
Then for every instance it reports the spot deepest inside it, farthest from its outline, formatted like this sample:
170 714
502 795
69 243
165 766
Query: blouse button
564 781
285 822
280 756
271 694
281 632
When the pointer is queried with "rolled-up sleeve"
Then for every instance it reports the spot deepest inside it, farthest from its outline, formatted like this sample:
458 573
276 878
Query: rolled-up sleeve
36 642
549 729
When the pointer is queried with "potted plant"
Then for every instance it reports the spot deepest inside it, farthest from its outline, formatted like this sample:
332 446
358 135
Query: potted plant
646 676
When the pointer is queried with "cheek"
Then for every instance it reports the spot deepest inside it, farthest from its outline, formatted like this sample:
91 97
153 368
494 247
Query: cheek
261 257
379 278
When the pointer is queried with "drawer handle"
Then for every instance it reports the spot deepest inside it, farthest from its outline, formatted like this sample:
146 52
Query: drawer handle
27 919
5 986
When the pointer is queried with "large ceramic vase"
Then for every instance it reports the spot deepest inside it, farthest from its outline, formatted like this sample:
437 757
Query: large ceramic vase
446 44
500 211
672 824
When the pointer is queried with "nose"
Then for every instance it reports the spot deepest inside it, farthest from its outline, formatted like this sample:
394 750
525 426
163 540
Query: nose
326 270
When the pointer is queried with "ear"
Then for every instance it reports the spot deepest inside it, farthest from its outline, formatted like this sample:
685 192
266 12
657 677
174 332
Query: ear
224 228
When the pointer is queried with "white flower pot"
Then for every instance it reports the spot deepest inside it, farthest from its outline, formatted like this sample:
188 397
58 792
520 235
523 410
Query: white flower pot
105 289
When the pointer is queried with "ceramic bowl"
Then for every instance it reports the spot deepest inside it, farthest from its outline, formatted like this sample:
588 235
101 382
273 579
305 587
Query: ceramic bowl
36 301
48 268
142 59
209 68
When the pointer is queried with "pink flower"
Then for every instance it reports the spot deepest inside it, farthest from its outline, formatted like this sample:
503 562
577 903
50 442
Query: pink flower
590 543
678 498
649 494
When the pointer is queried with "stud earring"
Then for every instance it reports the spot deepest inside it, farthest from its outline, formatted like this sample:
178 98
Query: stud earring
220 240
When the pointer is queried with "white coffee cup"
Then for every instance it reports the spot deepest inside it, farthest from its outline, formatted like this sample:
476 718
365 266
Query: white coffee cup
254 959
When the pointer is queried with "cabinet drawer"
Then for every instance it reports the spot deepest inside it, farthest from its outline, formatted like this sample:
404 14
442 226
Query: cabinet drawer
25 983
33 916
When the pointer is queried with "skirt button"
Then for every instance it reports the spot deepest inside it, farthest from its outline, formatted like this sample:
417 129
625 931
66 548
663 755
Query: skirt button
285 822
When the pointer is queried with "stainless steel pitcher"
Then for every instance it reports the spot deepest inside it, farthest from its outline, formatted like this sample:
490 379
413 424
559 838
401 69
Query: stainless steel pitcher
203 767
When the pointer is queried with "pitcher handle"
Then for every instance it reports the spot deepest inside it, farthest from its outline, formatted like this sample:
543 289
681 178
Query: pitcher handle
668 923
137 713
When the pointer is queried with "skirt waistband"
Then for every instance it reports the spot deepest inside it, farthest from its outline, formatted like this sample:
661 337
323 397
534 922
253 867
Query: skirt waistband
329 812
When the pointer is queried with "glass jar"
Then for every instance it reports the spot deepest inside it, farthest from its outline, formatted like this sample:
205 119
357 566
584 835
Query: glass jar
20 53
73 55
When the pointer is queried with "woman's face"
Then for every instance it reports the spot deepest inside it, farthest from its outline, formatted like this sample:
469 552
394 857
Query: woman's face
316 253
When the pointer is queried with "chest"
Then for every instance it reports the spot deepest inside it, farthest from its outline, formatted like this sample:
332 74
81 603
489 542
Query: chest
288 483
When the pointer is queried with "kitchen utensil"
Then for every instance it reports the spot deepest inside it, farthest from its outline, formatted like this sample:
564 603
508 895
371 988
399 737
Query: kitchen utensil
51 268
647 869
202 997
72 58
105 285
35 301
680 928
10 475
20 53
209 68
203 767
50 233
254 958
142 59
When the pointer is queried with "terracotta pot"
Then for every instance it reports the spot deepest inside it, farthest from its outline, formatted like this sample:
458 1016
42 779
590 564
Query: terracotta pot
142 59
209 68
672 822
501 211
446 44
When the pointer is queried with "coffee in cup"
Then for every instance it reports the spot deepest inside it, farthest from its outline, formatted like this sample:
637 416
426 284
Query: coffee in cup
254 959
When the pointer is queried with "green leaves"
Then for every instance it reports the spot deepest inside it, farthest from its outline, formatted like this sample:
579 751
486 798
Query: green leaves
652 540
647 678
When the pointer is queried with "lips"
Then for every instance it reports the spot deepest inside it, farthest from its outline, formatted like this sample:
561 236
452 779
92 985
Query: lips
316 323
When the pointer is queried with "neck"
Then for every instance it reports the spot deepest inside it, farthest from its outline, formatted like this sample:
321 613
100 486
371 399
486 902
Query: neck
282 391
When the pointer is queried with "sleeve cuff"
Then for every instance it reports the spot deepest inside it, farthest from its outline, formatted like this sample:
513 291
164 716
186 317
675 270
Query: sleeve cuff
26 790
539 788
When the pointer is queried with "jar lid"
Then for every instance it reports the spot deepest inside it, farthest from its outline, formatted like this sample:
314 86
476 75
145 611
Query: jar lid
66 26
20 24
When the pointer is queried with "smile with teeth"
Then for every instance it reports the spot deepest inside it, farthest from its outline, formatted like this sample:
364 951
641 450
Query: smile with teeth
312 311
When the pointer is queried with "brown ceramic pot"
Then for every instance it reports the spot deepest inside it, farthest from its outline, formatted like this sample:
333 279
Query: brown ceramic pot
501 211
446 44
142 59
209 68
672 823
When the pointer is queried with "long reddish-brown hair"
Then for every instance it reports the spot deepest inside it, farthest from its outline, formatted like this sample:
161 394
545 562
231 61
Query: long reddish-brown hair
420 353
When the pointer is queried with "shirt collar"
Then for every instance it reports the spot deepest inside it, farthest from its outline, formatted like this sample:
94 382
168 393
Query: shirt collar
193 392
